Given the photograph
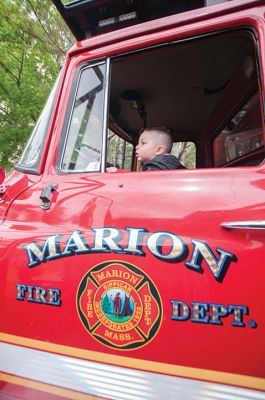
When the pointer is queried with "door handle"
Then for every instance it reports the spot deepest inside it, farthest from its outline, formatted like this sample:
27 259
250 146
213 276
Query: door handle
252 225
46 195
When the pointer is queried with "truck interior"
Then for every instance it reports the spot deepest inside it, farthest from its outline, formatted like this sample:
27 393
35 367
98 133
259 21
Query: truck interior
205 90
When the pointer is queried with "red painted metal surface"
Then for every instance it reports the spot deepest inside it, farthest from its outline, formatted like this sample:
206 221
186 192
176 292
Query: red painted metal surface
190 205
113 201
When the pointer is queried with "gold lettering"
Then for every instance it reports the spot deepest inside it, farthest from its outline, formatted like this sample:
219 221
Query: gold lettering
100 276
147 309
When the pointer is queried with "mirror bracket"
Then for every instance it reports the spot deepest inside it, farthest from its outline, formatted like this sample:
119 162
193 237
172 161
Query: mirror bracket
3 189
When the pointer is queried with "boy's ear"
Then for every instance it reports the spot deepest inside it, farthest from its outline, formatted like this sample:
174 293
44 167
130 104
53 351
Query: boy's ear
160 150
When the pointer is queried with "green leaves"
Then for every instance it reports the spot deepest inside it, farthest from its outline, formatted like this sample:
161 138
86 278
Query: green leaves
33 43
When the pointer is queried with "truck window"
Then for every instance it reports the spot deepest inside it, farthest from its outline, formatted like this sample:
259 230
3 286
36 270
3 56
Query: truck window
186 153
120 152
195 88
205 90
241 141
30 159
82 150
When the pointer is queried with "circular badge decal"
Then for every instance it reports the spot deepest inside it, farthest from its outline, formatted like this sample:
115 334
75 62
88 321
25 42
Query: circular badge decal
119 305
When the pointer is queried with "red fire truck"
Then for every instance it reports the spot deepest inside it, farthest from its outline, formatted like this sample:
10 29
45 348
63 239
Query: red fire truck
126 284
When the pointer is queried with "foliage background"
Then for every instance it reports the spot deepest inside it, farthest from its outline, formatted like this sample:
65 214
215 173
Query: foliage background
33 42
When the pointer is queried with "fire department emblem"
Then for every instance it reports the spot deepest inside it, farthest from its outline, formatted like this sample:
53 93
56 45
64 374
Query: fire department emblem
119 305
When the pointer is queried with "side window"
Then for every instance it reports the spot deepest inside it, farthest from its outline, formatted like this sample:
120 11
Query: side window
205 90
82 150
241 141
120 152
186 153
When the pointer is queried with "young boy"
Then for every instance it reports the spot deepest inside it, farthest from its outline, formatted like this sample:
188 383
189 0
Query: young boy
153 150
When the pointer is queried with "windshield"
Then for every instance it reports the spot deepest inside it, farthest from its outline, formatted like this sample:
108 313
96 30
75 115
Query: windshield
31 156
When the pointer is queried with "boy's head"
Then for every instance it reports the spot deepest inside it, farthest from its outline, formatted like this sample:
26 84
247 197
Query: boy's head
153 142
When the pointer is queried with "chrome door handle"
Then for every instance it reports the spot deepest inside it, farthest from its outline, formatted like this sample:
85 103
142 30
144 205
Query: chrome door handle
244 225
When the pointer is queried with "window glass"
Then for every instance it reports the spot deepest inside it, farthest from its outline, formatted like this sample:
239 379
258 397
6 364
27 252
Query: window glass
186 153
30 158
241 136
119 152
82 150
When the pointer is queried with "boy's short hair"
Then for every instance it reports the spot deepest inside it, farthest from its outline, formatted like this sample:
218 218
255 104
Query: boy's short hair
165 134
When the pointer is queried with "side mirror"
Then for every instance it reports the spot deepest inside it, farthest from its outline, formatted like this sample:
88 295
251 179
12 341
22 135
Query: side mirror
2 174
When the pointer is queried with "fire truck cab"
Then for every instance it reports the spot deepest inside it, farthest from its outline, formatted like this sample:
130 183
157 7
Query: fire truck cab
120 283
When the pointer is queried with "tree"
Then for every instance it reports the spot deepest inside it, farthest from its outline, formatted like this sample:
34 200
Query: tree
186 153
106 304
33 43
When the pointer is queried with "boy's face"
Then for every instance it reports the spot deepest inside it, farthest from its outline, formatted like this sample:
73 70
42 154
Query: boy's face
147 147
